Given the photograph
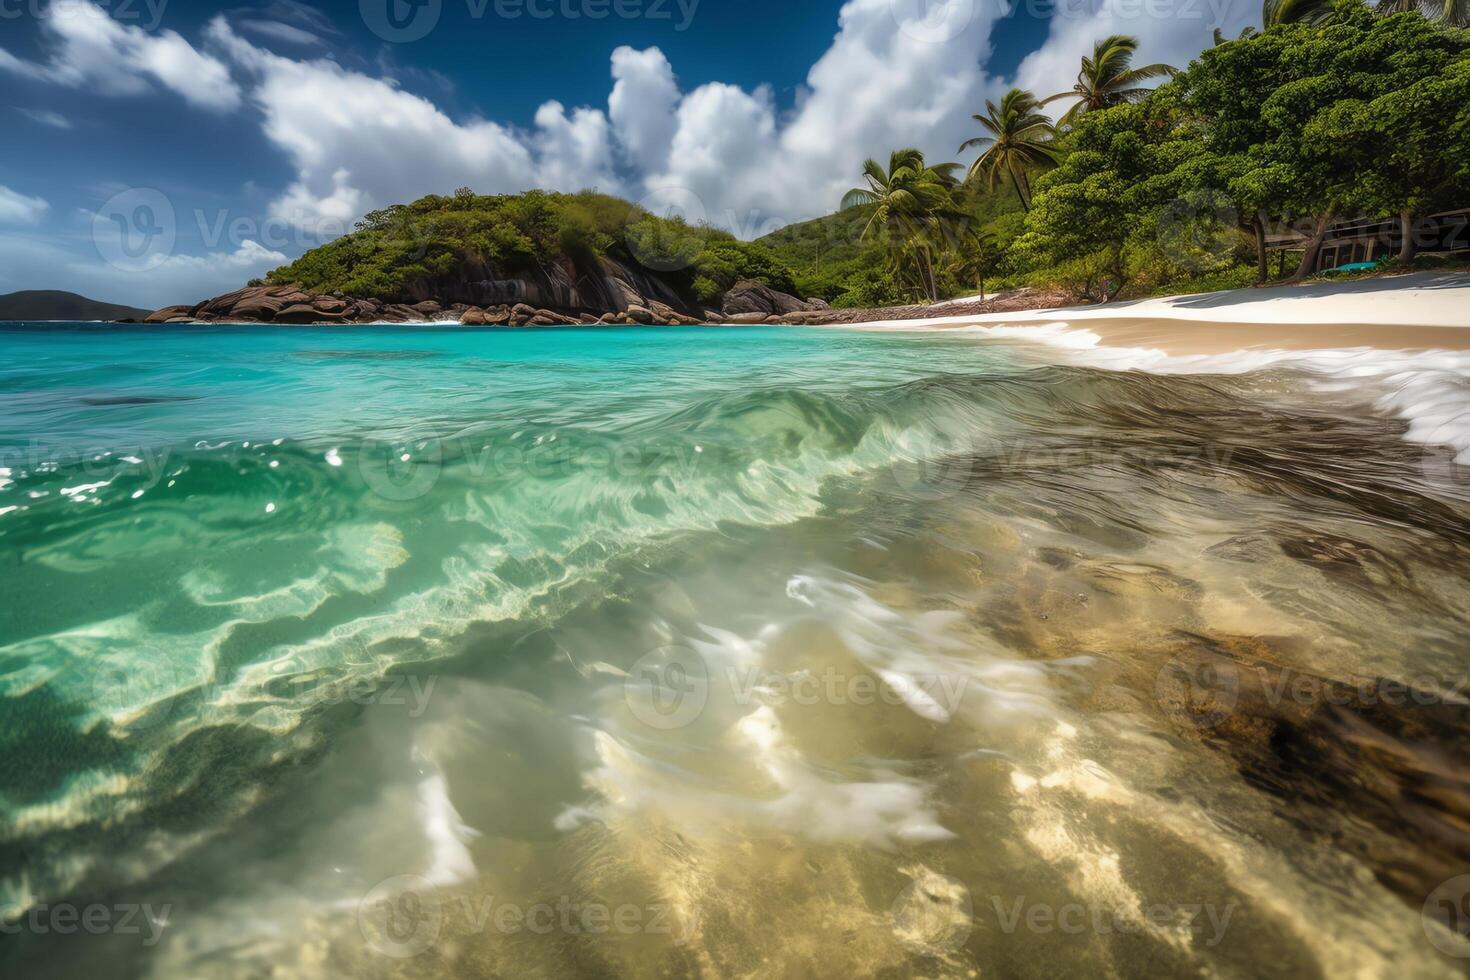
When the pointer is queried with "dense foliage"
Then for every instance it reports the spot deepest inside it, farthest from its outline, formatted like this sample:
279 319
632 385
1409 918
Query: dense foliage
1334 110
1342 112
437 238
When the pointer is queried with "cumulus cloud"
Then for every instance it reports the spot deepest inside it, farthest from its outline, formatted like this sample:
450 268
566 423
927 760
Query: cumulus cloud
891 77
642 104
377 145
88 49
17 209
895 75
574 152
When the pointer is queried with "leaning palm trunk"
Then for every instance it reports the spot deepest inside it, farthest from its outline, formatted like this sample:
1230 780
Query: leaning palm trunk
1314 246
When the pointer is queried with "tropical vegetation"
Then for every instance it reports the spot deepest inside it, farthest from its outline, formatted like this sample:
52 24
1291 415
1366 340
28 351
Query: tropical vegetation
1333 110
1153 178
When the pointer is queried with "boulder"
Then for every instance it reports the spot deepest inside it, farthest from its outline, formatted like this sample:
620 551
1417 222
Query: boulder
745 318
639 314
753 297
473 317
168 313
817 303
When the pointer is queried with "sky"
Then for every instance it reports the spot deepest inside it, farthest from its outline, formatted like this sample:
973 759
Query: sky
163 151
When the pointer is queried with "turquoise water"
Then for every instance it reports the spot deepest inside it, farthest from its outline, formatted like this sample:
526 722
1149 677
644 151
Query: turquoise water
805 651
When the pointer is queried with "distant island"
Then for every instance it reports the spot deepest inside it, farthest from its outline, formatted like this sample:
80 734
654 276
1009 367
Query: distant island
50 304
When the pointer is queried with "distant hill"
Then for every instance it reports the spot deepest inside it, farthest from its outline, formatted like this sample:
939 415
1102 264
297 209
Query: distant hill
50 304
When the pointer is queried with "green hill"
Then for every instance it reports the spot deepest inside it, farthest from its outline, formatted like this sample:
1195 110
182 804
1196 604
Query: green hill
473 248
50 304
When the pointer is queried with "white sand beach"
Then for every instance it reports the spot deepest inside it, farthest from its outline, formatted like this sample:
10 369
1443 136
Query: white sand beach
1417 311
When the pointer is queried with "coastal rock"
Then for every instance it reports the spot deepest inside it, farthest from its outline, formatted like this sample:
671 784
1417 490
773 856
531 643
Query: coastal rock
473 317
168 313
756 317
753 297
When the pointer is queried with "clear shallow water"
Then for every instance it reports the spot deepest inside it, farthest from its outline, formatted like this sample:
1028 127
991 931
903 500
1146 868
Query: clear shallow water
422 652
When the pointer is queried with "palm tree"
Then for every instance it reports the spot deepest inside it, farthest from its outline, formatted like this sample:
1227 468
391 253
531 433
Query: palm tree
1019 139
1108 78
1277 12
907 199
1455 13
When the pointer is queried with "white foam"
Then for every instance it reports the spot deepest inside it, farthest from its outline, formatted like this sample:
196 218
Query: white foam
1430 390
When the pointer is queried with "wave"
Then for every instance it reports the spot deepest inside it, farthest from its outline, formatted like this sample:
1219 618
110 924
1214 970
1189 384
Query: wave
193 607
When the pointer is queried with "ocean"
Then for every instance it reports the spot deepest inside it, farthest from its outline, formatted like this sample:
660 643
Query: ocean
441 652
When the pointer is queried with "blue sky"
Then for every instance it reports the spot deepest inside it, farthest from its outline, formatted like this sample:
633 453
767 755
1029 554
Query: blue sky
162 151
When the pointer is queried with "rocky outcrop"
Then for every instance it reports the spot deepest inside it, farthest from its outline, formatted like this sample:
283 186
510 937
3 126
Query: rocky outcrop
745 303
747 298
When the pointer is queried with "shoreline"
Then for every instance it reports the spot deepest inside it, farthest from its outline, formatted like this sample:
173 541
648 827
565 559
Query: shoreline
1415 311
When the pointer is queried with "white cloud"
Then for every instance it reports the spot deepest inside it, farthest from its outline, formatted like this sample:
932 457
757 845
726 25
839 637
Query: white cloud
17 209
88 49
177 278
574 152
34 261
892 77
46 117
889 79
359 142
642 104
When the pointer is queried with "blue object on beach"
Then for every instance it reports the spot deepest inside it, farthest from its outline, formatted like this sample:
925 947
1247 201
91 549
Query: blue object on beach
1355 267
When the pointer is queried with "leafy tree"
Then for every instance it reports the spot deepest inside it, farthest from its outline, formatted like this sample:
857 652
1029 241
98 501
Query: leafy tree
1020 139
1108 78
1295 106
1104 205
